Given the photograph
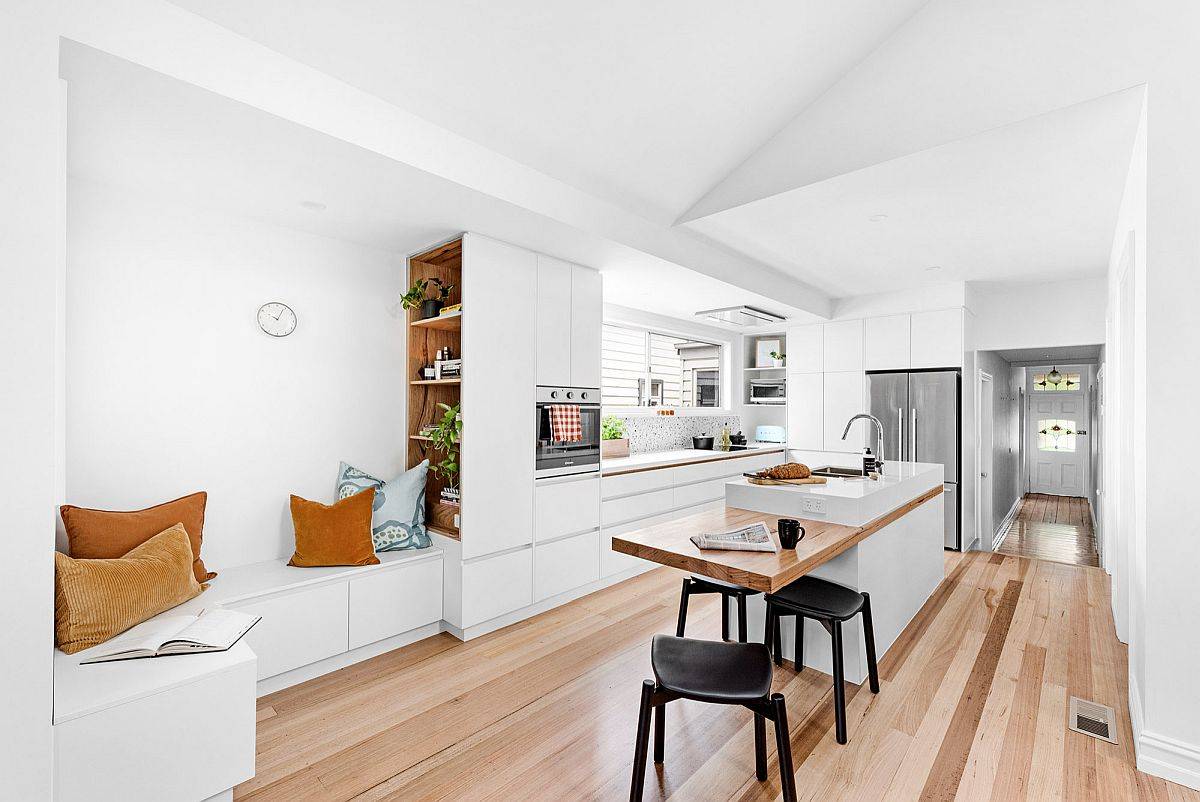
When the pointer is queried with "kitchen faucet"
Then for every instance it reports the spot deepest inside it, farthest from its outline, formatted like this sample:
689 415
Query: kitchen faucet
878 436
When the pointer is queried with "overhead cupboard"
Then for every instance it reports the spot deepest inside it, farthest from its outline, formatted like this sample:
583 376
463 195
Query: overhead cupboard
828 362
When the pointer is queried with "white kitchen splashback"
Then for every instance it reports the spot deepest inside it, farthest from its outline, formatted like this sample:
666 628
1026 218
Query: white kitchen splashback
665 432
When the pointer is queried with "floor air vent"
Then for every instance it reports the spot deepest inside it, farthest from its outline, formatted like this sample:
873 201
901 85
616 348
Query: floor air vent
1093 719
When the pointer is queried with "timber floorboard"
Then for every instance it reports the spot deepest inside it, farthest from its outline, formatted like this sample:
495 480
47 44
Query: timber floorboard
972 706
1057 528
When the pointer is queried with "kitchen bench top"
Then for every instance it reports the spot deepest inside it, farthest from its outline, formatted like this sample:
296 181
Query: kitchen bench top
653 460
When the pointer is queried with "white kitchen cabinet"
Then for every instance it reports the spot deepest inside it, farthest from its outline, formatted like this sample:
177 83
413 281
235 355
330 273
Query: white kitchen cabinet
937 339
842 399
587 311
498 391
388 602
565 507
804 349
496 585
298 627
842 346
554 309
886 342
565 564
805 415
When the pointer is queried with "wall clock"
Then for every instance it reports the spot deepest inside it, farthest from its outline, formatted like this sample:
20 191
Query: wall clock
276 319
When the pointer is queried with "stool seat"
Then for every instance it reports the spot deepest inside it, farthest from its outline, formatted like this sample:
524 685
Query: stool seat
720 583
820 598
712 671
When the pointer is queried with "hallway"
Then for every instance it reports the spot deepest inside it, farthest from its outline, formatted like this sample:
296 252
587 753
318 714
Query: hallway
1057 528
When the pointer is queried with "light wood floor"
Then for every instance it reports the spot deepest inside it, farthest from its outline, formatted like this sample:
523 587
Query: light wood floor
1055 528
973 706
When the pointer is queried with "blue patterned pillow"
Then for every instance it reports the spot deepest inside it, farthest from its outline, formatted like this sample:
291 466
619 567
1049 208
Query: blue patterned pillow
398 517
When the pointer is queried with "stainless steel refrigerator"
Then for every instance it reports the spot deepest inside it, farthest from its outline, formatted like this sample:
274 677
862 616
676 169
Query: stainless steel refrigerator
921 414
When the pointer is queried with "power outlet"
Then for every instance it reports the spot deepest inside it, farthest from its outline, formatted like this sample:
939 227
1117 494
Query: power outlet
814 504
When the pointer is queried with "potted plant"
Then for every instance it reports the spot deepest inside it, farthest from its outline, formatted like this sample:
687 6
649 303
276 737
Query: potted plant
429 306
613 442
778 357
444 437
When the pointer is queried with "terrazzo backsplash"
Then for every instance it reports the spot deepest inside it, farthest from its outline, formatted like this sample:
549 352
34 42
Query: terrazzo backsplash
666 432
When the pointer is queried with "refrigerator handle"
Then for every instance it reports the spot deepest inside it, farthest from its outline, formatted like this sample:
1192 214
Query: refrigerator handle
913 442
899 434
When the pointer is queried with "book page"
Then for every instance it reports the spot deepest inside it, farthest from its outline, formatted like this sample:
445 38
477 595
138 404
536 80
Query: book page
147 636
218 629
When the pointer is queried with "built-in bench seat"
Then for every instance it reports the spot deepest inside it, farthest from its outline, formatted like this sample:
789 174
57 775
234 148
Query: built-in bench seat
183 727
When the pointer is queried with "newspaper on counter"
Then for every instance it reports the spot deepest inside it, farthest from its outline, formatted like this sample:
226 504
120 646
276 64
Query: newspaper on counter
753 537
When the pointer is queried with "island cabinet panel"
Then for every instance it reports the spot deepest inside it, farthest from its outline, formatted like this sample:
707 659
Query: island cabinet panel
886 343
937 339
842 345
805 411
804 349
587 310
566 507
498 392
554 321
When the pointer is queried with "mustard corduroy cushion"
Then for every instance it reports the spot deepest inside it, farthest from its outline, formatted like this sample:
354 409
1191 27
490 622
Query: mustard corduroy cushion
97 599
337 534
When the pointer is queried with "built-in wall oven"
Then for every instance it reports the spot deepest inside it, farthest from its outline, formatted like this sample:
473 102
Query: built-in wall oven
558 452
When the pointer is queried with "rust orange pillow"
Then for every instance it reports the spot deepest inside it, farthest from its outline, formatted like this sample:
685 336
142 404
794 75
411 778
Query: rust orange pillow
97 599
106 534
337 534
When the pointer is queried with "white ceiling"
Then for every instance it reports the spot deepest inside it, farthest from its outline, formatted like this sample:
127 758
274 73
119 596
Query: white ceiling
133 128
1035 200
648 105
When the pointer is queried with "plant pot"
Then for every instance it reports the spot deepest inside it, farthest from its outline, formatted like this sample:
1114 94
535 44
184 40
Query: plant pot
612 449
430 308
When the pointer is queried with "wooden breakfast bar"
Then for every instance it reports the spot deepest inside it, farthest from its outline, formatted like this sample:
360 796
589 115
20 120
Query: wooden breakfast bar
895 555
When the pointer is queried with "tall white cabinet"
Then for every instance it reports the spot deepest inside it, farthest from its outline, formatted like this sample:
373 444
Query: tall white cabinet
569 320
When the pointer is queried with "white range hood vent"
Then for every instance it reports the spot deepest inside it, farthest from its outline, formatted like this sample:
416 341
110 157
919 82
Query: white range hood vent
741 316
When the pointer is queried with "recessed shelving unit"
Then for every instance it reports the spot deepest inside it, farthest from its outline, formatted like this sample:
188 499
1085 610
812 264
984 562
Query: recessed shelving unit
425 337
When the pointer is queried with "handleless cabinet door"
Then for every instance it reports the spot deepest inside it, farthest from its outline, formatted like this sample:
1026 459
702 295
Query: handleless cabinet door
844 399
842 346
805 416
586 317
554 321
885 343
498 388
804 349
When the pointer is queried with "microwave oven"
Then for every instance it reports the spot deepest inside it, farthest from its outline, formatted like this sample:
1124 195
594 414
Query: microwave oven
768 391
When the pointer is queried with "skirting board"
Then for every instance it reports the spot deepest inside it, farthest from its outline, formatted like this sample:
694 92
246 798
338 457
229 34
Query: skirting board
1159 755
998 535
522 613
314 670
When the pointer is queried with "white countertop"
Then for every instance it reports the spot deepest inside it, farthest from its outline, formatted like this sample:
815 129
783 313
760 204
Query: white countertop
680 456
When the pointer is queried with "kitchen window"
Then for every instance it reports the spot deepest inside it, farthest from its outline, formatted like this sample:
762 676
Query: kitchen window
641 368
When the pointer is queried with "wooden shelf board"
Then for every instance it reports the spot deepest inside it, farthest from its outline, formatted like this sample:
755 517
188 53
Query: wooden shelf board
450 322
436 381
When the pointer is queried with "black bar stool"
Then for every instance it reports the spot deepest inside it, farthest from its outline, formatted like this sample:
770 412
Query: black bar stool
718 673
695 586
830 604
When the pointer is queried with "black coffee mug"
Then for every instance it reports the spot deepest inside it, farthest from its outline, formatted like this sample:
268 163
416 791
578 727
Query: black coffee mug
790 532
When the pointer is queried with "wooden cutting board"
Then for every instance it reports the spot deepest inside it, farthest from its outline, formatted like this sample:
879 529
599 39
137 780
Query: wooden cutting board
763 480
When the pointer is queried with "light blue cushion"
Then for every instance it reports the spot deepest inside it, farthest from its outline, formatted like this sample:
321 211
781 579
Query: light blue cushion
398 517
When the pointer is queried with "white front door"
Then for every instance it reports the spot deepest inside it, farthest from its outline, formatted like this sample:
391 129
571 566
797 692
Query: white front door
1056 433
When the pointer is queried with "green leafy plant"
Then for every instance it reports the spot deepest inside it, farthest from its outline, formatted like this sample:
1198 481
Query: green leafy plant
778 355
445 437
612 428
416 293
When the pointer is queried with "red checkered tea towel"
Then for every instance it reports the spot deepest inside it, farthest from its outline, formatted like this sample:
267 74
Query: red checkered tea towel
565 424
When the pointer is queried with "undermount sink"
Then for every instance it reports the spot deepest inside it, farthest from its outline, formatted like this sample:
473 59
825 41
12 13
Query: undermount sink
832 471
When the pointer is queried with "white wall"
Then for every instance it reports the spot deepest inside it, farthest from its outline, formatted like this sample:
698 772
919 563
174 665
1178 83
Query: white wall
173 388
1050 313
1006 433
30 255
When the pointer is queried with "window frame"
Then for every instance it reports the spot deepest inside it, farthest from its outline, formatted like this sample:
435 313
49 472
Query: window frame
724 377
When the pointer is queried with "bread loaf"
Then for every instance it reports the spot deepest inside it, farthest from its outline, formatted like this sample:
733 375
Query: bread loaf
789 470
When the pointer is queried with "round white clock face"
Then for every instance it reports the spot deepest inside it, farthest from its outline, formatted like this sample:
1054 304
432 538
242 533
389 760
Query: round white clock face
276 319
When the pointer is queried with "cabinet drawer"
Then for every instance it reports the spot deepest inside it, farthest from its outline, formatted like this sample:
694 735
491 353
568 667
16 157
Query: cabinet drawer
700 492
686 474
298 628
386 603
564 508
629 483
496 585
760 461
617 510
565 564
614 562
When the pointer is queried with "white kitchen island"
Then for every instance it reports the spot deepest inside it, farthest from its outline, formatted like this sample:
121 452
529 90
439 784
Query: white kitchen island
881 536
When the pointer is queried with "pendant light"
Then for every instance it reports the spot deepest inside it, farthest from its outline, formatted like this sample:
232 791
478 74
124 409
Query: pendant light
1054 377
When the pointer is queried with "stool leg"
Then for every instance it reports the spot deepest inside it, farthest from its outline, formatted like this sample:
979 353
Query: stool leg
777 637
869 637
783 745
660 726
839 684
641 742
760 747
724 617
769 632
799 656
741 600
683 605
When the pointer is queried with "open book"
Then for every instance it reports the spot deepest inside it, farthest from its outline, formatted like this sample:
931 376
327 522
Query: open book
753 537
207 631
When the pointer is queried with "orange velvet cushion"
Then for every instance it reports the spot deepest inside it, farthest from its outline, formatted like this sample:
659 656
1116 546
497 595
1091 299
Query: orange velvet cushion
97 599
104 534
339 534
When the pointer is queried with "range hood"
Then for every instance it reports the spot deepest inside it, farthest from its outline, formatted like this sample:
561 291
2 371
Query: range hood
741 316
